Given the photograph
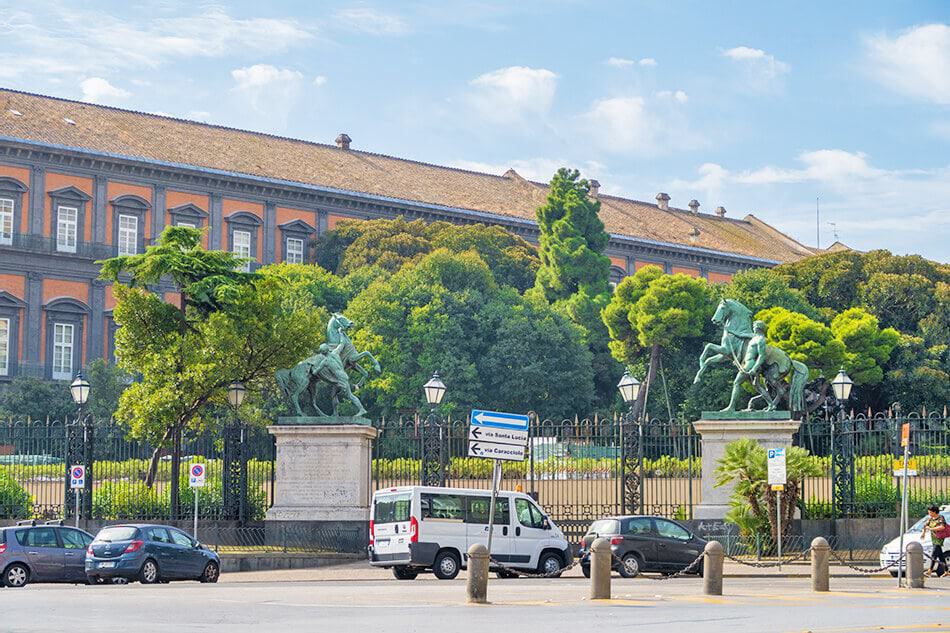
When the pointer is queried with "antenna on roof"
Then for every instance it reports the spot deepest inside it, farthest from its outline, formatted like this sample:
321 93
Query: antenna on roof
817 223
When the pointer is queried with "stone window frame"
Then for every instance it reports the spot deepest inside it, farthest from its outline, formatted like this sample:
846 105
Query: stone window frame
133 205
245 221
68 311
72 197
13 309
617 274
190 213
296 229
13 189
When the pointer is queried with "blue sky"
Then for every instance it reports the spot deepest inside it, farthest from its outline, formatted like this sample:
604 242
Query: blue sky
756 107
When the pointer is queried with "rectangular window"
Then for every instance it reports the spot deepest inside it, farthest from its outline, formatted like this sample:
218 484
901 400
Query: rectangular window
241 246
128 235
392 508
62 351
477 511
294 250
6 221
447 507
66 226
4 347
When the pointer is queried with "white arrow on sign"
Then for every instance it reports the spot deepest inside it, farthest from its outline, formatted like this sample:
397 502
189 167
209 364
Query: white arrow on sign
490 450
499 420
499 436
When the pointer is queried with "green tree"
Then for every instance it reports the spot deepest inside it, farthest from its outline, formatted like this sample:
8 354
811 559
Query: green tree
107 381
652 311
761 288
935 327
828 281
35 398
574 275
868 346
899 301
805 340
917 376
493 347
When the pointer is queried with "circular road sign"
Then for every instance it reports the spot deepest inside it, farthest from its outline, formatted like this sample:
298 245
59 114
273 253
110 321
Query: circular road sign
197 470
78 472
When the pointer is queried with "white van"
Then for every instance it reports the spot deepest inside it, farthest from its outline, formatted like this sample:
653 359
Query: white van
420 528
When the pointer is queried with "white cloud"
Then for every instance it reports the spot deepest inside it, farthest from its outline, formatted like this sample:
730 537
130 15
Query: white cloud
513 93
372 21
198 115
620 62
648 61
269 90
679 95
63 41
915 63
99 90
636 125
319 80
762 71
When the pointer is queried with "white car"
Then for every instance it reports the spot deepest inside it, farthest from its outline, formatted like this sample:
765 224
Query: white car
891 552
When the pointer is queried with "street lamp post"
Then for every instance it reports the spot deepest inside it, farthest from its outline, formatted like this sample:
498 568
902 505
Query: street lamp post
631 458
842 476
235 462
79 391
433 469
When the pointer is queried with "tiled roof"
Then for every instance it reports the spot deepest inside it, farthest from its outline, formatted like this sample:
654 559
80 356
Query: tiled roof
153 137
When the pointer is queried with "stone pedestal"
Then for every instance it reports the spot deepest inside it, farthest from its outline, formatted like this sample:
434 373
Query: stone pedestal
322 473
773 429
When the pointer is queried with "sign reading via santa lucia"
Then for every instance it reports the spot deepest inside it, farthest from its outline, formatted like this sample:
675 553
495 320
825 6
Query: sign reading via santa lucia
497 435
777 474
197 476
77 477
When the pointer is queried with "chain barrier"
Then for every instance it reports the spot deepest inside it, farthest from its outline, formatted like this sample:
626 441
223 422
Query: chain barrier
521 573
777 563
692 568
866 570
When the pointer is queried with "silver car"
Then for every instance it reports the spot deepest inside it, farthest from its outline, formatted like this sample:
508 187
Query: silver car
42 552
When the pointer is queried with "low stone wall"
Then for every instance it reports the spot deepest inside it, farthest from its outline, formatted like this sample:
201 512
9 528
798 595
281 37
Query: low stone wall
267 561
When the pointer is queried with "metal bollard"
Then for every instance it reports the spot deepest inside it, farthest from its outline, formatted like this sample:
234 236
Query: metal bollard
713 557
820 552
915 565
478 574
600 559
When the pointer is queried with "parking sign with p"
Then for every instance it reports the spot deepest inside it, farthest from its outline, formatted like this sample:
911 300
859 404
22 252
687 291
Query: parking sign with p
77 477
197 478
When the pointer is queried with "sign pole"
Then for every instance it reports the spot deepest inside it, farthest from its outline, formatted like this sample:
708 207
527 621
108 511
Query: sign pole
495 476
905 442
77 506
77 481
195 530
778 523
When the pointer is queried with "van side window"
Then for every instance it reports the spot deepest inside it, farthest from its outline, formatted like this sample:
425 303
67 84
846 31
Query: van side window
528 514
477 511
442 507
392 508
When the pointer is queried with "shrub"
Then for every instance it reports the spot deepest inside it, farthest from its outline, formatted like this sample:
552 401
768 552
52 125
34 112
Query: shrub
15 502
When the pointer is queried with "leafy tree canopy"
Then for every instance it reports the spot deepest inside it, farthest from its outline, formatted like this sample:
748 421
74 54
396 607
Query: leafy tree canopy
761 289
805 340
868 346
492 347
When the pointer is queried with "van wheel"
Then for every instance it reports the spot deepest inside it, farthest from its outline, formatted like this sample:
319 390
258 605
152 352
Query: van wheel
549 564
446 565
401 572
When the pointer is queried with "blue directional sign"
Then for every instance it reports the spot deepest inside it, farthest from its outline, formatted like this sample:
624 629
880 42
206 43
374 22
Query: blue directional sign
499 420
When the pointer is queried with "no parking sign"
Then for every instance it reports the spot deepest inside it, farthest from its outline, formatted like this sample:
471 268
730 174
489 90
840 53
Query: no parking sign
77 477
197 478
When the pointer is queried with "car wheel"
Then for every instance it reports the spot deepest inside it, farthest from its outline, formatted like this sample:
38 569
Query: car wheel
586 570
630 566
148 575
211 572
446 566
401 572
550 564
16 575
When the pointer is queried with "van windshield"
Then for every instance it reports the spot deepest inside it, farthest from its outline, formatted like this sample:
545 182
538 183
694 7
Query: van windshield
392 508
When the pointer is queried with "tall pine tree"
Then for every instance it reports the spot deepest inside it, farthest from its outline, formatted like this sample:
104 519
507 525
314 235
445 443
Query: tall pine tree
575 274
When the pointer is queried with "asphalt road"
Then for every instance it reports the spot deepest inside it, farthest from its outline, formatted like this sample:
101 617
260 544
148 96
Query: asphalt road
756 605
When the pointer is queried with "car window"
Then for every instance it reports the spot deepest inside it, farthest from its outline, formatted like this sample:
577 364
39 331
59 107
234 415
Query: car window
603 526
671 530
639 527
41 537
392 508
74 539
21 536
477 510
436 506
117 533
157 535
528 514
181 538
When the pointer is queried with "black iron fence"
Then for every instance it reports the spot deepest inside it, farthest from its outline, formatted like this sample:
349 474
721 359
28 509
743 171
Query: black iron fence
35 456
579 469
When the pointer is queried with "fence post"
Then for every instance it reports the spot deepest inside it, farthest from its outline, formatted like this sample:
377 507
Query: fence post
820 551
89 459
175 471
713 556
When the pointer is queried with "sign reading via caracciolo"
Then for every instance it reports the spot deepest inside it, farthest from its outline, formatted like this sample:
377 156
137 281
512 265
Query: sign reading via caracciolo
777 474
506 452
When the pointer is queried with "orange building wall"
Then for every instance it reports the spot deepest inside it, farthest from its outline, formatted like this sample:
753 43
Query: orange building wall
55 288
110 298
333 219
116 189
16 286
173 298
177 198
229 206
685 270
637 265
23 175
719 278
619 262
285 215
56 181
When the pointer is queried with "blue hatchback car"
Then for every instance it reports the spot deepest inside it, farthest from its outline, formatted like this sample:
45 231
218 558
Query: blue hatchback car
149 554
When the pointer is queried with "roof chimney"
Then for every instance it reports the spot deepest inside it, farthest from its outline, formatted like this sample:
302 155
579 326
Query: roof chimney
694 235
594 186
663 201
343 141
721 212
694 205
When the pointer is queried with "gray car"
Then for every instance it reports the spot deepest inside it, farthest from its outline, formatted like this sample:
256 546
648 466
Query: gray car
42 552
